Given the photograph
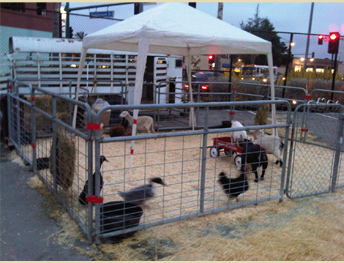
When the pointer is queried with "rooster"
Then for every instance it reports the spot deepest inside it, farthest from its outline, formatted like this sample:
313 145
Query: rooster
233 187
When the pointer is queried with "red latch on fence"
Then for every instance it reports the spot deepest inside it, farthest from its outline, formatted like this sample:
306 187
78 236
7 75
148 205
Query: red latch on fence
33 146
304 130
231 113
93 126
233 88
308 97
33 98
9 87
94 199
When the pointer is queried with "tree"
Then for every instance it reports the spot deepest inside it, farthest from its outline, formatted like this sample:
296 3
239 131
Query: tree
262 27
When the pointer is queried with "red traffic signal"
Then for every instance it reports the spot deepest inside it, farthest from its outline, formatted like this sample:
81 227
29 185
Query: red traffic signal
333 43
320 39
211 59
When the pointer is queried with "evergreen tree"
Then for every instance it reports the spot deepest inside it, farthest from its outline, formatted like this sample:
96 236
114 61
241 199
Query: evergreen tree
262 27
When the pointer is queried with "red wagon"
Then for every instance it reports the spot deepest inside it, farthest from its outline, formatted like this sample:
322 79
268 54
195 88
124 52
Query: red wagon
229 148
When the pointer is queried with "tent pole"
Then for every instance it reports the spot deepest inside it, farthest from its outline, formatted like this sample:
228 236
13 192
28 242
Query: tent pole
192 112
272 85
81 65
140 70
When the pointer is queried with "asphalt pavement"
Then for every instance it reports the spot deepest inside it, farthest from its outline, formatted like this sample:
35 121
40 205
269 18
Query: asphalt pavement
25 227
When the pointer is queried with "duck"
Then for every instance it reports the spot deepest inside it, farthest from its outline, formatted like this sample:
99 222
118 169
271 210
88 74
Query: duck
140 194
118 215
83 194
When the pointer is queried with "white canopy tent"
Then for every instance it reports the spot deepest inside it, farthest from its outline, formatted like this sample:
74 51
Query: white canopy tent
175 29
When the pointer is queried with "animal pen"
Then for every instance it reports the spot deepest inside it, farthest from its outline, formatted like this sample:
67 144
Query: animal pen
65 158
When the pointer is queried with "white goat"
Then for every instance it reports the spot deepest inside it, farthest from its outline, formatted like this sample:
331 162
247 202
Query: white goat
238 135
272 144
143 122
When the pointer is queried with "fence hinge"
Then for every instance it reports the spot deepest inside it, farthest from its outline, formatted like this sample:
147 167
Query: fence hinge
94 199
93 126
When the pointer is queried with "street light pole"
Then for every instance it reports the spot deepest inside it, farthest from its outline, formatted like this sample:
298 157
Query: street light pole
309 35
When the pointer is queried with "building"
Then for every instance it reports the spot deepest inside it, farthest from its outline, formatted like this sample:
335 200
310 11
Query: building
28 20
317 65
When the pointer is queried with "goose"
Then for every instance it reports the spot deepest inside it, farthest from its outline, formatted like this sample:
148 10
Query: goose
82 196
140 194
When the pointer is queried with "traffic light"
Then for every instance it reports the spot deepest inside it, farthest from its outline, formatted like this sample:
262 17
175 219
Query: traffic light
211 59
320 39
333 43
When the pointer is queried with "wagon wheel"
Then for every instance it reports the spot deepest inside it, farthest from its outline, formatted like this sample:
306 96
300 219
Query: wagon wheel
228 152
214 152
237 160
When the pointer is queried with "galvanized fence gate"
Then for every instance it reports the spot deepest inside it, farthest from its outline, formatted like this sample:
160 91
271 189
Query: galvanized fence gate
316 151
68 161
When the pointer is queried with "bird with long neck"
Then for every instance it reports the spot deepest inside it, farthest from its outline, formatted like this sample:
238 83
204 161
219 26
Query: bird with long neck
83 194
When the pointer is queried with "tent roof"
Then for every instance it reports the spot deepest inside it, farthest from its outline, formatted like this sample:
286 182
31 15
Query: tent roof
173 27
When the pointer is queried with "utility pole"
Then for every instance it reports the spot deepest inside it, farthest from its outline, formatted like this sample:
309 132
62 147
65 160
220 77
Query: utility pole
138 8
309 35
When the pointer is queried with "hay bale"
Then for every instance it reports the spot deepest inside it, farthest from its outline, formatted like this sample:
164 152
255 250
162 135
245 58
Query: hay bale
65 160
261 117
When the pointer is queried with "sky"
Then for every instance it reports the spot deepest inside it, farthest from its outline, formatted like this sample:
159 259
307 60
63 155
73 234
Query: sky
285 17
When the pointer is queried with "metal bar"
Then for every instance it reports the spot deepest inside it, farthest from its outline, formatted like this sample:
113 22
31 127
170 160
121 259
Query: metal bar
339 145
54 145
97 183
185 133
285 155
204 161
33 131
90 184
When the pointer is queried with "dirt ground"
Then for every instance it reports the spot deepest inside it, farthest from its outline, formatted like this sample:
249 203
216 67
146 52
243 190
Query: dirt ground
309 228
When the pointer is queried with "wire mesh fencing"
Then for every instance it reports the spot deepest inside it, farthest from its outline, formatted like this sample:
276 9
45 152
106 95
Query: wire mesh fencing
114 186
176 175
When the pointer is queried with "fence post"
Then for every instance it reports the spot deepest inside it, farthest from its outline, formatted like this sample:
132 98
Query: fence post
339 146
97 181
233 98
90 180
285 156
204 160
53 151
33 130
9 110
18 115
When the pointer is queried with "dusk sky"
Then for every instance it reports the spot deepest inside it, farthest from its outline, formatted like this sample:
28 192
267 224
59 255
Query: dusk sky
285 16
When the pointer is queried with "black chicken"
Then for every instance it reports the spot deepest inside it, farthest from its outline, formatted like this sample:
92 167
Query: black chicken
233 187
83 194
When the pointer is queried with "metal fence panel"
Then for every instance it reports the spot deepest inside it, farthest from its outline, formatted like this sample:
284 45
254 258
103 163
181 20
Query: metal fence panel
183 161
315 149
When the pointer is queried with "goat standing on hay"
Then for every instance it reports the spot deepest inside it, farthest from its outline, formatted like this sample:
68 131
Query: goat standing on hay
143 122
254 155
271 144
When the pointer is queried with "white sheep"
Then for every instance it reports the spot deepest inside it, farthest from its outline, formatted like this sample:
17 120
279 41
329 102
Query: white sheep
238 136
143 122
272 144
